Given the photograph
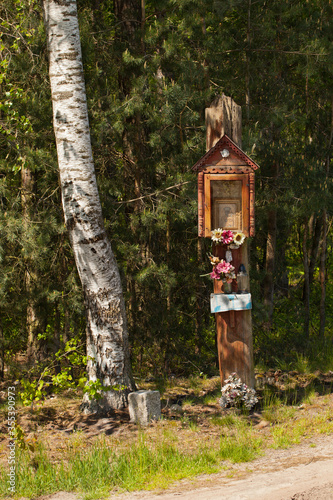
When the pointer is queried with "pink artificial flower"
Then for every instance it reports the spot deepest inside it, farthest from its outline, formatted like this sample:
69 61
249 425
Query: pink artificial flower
220 268
227 237
215 276
224 267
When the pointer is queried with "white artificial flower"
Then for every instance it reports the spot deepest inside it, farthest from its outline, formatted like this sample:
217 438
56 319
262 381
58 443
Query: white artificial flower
239 239
217 235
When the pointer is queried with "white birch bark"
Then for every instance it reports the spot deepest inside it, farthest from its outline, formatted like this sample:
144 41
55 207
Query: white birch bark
107 338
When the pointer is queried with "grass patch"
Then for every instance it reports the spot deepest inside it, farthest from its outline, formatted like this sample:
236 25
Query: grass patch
277 413
189 423
310 396
202 440
148 463
283 437
212 399
242 446
100 469
188 402
223 421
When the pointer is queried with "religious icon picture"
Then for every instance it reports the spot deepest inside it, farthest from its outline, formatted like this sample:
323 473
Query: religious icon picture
227 214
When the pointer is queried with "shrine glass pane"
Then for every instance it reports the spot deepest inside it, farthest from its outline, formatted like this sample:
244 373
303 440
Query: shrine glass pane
226 205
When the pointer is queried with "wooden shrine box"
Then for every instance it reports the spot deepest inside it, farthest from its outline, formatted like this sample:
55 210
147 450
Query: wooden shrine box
225 189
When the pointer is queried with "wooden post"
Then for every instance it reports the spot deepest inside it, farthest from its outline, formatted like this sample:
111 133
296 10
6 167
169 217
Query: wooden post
223 117
233 328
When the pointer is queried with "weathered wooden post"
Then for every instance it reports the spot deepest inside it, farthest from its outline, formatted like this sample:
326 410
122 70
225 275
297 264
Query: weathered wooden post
226 202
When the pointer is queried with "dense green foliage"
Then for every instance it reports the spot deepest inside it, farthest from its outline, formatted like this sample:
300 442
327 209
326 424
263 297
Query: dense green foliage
148 81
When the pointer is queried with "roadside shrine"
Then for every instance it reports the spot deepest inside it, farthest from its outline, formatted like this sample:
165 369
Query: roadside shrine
226 193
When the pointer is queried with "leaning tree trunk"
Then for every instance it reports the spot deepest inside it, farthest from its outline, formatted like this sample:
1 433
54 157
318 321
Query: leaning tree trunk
32 322
306 297
268 282
323 257
107 337
270 264
322 277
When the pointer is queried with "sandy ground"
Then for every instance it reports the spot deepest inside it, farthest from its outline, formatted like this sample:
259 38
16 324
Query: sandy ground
306 482
304 472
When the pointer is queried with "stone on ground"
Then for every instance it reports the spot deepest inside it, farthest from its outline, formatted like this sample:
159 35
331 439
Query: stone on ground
144 406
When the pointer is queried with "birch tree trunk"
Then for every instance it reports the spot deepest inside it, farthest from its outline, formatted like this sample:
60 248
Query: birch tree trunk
107 337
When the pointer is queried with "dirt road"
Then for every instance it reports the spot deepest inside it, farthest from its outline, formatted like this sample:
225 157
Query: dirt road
304 482
304 472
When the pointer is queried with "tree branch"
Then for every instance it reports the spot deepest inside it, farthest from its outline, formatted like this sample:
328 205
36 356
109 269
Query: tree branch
152 194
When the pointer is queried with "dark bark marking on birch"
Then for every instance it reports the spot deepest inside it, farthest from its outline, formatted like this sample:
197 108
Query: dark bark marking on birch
101 315
72 56
61 118
60 96
65 3
95 239
70 14
68 148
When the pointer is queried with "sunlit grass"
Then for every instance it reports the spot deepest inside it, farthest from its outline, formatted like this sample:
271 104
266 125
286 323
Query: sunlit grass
156 462
189 423
212 399
284 437
223 421
188 402
100 469
242 445
309 397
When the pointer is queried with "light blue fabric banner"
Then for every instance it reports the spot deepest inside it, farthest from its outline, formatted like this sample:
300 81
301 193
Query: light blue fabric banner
221 302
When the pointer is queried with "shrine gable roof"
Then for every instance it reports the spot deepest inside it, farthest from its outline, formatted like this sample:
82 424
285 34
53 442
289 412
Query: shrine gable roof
226 157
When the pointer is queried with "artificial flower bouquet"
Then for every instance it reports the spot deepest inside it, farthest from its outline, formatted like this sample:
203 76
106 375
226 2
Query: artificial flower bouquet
235 394
227 237
222 270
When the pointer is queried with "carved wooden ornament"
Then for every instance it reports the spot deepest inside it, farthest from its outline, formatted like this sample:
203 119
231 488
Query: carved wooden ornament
226 192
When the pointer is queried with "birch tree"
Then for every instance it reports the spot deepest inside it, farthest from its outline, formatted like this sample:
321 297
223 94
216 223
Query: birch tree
107 337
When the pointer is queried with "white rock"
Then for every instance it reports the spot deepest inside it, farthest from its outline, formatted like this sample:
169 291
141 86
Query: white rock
144 406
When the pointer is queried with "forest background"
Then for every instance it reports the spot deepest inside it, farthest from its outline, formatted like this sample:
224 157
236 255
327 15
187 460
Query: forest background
151 68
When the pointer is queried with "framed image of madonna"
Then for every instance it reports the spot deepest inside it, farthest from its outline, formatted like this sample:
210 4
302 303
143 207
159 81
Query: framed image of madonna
227 214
